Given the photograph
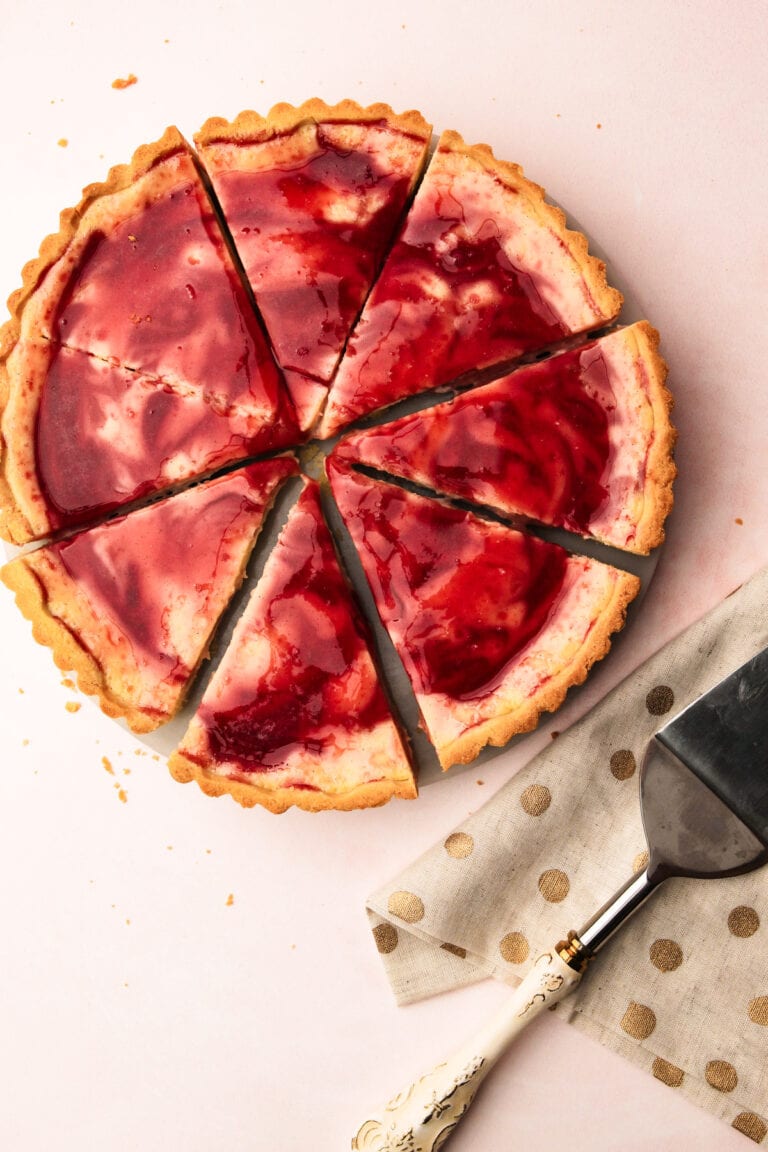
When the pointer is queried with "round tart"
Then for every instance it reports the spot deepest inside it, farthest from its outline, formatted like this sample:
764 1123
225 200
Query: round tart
203 310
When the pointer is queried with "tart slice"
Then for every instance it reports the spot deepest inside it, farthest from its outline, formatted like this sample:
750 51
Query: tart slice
130 605
581 441
483 271
140 275
295 713
492 626
313 196
81 437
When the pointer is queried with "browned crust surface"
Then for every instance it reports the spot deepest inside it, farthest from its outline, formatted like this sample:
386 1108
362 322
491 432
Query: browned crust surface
607 300
499 729
370 794
250 127
660 466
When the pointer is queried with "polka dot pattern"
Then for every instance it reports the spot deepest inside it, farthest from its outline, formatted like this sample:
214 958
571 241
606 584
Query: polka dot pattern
721 1075
638 1021
406 907
659 700
743 921
666 955
623 765
751 1125
514 948
758 1010
669 1074
459 845
386 938
554 885
536 799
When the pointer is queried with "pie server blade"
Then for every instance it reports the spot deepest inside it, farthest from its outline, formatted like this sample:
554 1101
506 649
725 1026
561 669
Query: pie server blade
704 799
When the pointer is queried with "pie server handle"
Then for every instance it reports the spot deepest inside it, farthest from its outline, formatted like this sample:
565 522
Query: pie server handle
423 1116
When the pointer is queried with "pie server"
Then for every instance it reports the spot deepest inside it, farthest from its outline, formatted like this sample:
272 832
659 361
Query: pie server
704 798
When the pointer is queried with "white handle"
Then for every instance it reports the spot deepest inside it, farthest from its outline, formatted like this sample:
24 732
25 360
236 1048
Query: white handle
421 1118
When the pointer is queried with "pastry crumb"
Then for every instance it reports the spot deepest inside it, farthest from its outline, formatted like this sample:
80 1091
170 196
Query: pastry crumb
107 766
598 125
230 900
738 520
554 735
73 705
122 796
62 142
24 743
480 782
21 691
125 82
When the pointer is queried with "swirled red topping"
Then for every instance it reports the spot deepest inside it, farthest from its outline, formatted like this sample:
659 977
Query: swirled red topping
298 672
460 596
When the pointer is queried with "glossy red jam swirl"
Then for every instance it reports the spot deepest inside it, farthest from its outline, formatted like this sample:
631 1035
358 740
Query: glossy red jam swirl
448 301
106 436
311 235
534 443
160 294
460 596
319 679
140 572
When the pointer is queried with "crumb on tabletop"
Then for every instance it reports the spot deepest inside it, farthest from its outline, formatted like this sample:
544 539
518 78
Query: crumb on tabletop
107 765
125 82
73 705
230 900
62 142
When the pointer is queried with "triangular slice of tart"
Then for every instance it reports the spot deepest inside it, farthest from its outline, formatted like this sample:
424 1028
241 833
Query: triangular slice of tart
81 437
130 606
492 625
581 441
294 713
140 275
313 196
483 271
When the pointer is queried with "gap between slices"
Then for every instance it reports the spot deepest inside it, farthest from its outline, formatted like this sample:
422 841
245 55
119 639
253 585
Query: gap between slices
295 713
130 606
312 197
492 625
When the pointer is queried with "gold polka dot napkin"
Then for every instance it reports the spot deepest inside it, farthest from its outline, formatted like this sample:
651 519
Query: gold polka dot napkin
682 989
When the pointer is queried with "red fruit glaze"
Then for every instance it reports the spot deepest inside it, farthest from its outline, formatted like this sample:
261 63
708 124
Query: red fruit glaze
535 443
165 563
311 234
461 597
134 435
318 679
160 294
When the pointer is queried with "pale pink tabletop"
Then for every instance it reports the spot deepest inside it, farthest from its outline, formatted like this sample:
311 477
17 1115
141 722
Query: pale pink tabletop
179 974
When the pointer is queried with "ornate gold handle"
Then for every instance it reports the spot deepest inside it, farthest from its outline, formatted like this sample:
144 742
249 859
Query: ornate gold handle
421 1118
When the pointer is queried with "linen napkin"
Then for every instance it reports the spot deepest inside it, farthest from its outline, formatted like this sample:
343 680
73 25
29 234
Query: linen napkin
683 987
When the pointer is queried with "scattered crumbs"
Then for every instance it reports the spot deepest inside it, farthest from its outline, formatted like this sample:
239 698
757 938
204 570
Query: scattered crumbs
122 796
125 82
125 984
24 743
62 142
481 782
554 735
73 705
107 766
120 752
598 125
738 520
402 25
557 115
293 946
230 900
128 923
126 771
166 41
132 238
169 847
208 851
140 752
67 682
155 757
21 691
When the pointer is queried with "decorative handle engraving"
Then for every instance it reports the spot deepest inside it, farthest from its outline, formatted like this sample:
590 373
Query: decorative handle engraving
421 1118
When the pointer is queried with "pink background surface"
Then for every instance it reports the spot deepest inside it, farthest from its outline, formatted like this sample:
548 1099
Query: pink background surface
140 1008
